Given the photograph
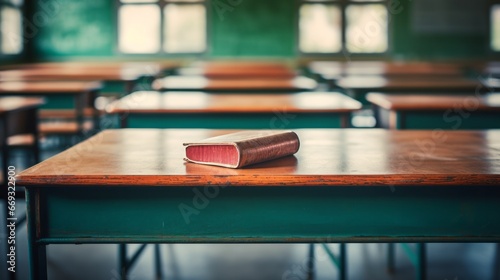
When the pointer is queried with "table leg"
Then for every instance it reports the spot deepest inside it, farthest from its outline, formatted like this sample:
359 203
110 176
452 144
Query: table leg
158 270
343 262
391 261
122 261
310 263
421 266
36 252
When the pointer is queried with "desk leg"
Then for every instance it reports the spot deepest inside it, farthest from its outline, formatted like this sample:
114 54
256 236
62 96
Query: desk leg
310 263
80 102
391 262
343 262
36 252
158 270
421 266
122 261
345 120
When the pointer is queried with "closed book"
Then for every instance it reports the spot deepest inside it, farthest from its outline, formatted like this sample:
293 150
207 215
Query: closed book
243 148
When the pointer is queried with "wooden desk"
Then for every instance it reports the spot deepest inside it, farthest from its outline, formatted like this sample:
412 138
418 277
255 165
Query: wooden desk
18 116
342 186
196 83
239 70
332 70
18 120
420 111
81 94
66 72
359 86
237 111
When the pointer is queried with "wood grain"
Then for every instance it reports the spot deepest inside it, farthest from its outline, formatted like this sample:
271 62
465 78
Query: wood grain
151 102
254 84
423 102
47 88
12 104
332 68
416 84
327 157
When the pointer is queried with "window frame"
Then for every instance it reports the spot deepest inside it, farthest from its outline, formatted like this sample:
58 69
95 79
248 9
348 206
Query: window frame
490 27
343 4
162 4
20 7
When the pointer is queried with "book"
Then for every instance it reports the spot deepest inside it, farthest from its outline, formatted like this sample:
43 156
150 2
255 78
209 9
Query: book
236 150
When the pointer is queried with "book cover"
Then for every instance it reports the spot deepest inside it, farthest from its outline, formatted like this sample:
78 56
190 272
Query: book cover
243 148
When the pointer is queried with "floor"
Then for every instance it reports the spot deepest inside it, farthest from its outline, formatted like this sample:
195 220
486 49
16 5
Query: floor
254 261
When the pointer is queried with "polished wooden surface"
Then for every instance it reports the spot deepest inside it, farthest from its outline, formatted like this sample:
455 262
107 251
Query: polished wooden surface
240 70
9 104
347 157
414 102
332 69
200 102
416 83
254 84
47 88
78 73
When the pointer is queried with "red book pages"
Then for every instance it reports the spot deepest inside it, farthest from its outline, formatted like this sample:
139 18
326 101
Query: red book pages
243 148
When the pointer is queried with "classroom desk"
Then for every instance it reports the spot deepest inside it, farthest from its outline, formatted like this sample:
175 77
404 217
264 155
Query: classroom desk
65 72
151 109
81 94
197 83
12 111
332 70
424 111
359 86
239 71
344 185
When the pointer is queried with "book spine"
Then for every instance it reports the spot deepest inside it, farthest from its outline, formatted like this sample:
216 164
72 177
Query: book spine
267 148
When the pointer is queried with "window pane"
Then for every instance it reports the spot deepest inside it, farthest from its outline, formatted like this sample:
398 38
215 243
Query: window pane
320 28
495 28
184 28
139 28
12 42
366 30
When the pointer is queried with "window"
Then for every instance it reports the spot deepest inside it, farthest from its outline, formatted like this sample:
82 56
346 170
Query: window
495 27
162 26
353 26
11 40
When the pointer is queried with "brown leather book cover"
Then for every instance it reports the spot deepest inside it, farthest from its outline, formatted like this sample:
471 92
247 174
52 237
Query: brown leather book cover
243 148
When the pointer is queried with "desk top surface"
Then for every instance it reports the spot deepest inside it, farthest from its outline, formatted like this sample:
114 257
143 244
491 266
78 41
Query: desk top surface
327 157
247 84
10 104
239 70
80 73
487 102
47 87
330 68
202 102
415 83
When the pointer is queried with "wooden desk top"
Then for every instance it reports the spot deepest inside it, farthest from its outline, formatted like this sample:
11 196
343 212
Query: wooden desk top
327 157
204 84
200 102
78 73
405 84
238 72
332 68
11 104
422 102
47 87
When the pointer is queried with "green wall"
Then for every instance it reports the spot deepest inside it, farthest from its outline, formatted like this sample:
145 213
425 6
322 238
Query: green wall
408 45
253 28
237 28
